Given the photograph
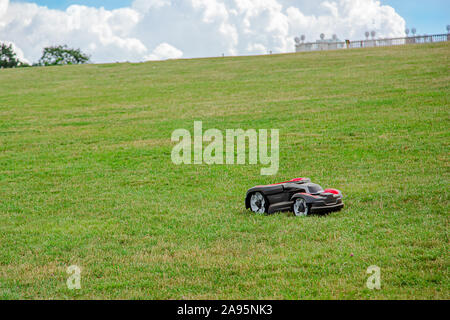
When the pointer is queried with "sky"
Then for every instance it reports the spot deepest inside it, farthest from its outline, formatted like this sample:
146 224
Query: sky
427 16
141 30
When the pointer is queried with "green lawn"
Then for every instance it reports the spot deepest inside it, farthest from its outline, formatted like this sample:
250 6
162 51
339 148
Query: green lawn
86 177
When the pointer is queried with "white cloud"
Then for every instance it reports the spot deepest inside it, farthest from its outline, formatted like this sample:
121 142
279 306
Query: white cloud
191 28
32 27
256 48
164 51
3 7
348 19
146 5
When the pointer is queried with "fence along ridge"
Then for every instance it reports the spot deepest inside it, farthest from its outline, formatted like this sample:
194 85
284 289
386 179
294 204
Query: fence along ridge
368 43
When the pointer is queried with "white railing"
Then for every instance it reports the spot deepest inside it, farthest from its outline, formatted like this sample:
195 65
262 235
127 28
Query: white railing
369 43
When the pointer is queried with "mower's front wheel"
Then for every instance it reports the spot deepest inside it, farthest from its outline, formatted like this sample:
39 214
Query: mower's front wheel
300 207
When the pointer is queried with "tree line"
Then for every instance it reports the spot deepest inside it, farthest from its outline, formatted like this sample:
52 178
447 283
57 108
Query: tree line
51 56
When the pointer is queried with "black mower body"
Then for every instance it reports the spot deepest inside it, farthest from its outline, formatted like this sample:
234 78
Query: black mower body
281 196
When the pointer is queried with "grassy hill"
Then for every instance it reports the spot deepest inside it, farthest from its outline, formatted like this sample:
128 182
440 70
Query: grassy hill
86 177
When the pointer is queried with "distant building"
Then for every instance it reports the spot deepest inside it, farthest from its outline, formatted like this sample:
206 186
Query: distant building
321 44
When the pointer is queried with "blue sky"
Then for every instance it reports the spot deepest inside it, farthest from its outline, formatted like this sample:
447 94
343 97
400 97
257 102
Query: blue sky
428 16
62 4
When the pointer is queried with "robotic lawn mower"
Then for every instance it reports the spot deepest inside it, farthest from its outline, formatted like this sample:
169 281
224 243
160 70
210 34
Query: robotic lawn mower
298 195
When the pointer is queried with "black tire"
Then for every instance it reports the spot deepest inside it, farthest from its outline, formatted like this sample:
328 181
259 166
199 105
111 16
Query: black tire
257 203
301 208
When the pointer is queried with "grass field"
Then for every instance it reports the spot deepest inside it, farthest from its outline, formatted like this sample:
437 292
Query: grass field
86 177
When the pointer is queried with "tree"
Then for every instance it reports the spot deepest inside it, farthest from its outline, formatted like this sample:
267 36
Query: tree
60 55
8 58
